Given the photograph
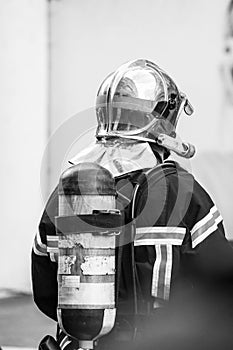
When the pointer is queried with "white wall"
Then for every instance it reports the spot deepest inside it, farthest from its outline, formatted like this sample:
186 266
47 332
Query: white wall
23 109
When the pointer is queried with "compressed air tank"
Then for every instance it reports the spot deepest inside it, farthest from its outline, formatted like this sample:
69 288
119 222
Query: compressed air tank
87 227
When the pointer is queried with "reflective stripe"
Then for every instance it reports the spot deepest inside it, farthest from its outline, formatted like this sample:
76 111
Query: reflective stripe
42 245
53 257
65 344
162 229
39 248
156 271
159 235
62 339
134 200
162 270
52 247
52 238
203 228
52 250
168 272
38 252
52 242
65 341
157 241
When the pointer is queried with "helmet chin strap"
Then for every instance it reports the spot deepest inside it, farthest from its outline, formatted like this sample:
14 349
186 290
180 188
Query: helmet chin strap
158 151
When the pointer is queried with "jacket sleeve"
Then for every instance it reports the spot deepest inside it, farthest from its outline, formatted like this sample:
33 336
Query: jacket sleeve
43 269
210 253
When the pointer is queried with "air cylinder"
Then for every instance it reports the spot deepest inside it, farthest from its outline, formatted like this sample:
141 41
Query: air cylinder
87 226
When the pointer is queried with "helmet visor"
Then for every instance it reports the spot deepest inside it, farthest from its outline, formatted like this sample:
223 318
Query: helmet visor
131 101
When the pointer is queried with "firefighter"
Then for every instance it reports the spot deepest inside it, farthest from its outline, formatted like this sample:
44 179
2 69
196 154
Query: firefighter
178 255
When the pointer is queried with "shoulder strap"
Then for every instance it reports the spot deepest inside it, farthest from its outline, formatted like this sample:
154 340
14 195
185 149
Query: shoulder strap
153 175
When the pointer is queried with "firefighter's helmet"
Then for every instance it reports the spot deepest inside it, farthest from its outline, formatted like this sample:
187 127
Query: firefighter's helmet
139 101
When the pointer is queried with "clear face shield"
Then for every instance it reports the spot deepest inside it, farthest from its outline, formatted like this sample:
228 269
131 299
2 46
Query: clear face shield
127 98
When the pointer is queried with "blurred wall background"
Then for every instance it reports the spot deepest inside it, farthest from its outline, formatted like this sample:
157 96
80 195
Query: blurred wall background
55 55
23 110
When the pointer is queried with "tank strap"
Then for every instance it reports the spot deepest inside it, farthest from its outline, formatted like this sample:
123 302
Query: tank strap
155 174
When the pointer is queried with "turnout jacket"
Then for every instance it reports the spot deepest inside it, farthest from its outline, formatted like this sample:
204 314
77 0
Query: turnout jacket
179 245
